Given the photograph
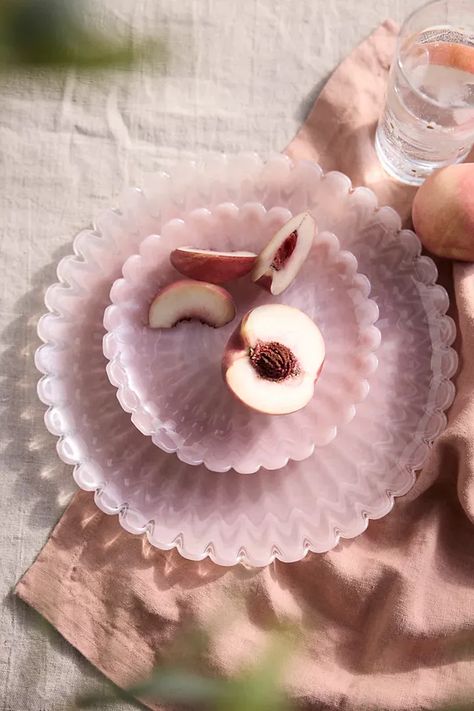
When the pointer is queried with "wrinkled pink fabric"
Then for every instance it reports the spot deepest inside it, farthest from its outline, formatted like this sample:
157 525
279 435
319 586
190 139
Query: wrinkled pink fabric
387 619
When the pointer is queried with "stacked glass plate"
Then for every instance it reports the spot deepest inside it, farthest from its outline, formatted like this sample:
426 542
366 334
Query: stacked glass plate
146 420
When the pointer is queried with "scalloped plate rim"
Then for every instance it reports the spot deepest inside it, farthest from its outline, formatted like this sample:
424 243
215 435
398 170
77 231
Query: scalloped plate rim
178 541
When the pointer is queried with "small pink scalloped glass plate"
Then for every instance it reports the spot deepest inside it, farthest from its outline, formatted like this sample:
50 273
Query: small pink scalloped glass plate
171 380
306 506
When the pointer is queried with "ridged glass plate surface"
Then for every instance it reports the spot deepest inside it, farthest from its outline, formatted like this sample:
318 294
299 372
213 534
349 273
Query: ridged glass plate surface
306 505
171 380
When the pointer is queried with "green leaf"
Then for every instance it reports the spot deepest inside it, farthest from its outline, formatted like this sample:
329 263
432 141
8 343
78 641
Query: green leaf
176 686
167 686
255 689
260 687
178 681
54 34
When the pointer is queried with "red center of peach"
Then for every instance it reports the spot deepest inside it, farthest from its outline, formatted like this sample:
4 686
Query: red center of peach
285 251
273 361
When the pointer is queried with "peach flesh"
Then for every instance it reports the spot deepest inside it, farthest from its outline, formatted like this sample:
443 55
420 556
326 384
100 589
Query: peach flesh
186 299
281 259
273 359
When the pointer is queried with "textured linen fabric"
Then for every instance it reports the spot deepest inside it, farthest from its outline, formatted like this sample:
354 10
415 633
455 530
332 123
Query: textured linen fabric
240 76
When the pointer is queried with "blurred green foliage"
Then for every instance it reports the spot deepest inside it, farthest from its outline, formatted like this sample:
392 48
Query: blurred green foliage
54 34
178 681
181 680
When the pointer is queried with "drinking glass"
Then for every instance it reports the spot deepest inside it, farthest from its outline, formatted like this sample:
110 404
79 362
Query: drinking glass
428 121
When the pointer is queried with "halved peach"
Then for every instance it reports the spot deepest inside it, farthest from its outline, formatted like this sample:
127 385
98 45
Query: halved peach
273 359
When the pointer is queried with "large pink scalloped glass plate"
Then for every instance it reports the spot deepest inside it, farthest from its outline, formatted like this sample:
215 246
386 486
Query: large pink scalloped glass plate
171 380
306 506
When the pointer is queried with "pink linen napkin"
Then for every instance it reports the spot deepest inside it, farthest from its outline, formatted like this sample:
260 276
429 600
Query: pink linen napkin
388 617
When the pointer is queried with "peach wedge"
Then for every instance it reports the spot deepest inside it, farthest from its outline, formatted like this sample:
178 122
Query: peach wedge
187 299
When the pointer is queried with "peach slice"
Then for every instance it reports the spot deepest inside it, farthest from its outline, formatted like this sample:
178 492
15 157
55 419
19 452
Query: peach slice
273 359
280 261
187 299
210 265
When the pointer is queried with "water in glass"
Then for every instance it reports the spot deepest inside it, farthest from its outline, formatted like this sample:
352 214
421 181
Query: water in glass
428 120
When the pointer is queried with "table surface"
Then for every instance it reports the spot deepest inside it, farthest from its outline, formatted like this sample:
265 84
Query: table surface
240 76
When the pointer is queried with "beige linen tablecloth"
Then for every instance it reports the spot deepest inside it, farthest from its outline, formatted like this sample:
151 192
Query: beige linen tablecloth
240 76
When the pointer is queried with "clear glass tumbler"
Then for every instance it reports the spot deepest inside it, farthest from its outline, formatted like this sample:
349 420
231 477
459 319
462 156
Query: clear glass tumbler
428 121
